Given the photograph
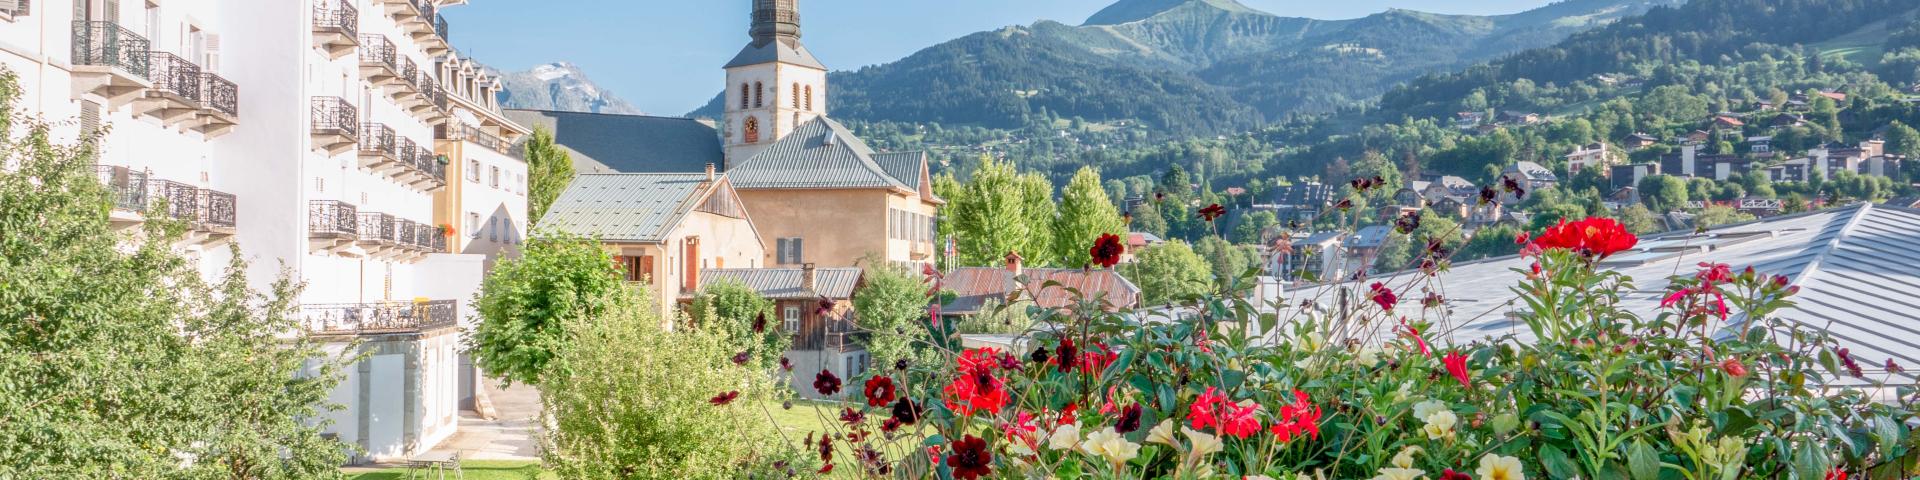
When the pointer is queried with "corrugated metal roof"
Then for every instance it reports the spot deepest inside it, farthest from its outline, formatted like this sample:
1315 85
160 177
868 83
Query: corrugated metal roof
976 285
607 143
1858 269
821 153
633 207
904 167
784 283
1369 237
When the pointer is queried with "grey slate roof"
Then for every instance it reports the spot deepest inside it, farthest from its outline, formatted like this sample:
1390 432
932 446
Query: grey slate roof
775 51
629 207
1531 171
607 143
784 283
1858 269
1369 237
821 153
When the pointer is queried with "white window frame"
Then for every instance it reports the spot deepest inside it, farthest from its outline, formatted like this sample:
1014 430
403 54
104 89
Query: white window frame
790 319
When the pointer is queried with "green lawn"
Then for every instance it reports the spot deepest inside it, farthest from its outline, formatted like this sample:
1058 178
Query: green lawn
802 419
474 469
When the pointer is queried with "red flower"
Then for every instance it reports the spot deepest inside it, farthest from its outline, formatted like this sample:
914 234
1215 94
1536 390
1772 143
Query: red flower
970 458
1021 429
879 391
724 398
1715 273
825 469
1212 212
1449 474
1129 419
976 388
852 417
1383 296
1595 237
1894 368
1521 239
1457 366
1414 333
1837 474
1846 360
1106 251
1071 414
1734 367
1298 419
826 383
1092 363
786 364
826 306
741 358
1205 410
1240 420
760 323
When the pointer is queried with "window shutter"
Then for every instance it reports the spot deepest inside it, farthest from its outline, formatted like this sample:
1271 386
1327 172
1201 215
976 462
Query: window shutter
10 6
113 11
798 256
89 117
212 46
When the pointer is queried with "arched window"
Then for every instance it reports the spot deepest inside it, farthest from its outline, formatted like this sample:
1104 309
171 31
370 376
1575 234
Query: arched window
796 119
796 94
809 98
759 92
743 96
751 130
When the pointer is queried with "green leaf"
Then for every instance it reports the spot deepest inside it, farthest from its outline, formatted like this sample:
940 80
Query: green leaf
1642 461
1557 463
1809 462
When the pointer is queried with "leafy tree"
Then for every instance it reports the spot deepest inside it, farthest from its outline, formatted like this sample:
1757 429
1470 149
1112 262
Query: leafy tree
1253 227
549 170
732 309
893 305
1036 194
992 214
1489 242
1902 139
1086 212
1663 193
626 398
1147 218
1227 262
1167 272
117 360
1674 103
524 304
1639 220
1717 215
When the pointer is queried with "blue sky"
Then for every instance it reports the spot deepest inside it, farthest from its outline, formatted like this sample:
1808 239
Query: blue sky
665 55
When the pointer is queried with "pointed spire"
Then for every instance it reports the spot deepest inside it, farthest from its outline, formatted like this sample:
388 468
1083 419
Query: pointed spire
775 20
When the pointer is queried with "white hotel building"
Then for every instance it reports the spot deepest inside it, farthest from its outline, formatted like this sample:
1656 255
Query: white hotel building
342 140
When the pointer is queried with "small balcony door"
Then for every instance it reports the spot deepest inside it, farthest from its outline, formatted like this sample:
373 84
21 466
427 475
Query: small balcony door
692 277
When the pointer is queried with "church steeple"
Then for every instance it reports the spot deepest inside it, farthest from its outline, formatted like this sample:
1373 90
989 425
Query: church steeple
775 20
773 85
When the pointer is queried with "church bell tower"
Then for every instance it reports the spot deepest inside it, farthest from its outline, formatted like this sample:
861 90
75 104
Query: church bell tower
773 85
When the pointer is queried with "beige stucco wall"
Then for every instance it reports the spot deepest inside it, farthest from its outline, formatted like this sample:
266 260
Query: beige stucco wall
725 242
837 227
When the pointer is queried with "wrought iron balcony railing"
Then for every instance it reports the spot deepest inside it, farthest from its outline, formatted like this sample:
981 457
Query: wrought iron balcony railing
424 235
405 231
377 140
440 27
126 186
181 201
376 50
464 133
374 318
409 71
216 209
429 163
174 75
334 115
440 241
107 44
405 149
376 227
336 16
332 217
219 94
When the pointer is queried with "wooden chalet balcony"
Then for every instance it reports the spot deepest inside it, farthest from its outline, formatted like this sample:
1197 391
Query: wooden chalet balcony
332 225
110 61
219 105
336 125
336 27
843 336
355 319
174 97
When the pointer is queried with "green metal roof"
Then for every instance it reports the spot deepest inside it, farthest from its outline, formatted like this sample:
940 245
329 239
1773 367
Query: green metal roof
821 153
629 207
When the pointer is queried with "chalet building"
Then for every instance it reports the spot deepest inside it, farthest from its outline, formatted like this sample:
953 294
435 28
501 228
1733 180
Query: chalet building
1638 141
1867 158
1760 148
1441 187
1519 117
1593 155
1361 249
1300 202
1787 120
1307 257
976 287
1696 137
1727 123
1137 241
664 228
815 305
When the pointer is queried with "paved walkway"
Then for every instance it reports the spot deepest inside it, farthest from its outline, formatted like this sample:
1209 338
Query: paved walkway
509 437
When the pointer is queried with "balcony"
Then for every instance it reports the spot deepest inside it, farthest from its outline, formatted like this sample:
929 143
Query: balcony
379 61
128 189
421 21
354 319
433 38
336 125
480 138
336 27
843 336
332 225
377 235
175 200
378 146
174 97
215 215
110 61
219 105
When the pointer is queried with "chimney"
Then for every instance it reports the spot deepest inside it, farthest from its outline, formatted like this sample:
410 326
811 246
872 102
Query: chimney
709 172
1013 263
806 277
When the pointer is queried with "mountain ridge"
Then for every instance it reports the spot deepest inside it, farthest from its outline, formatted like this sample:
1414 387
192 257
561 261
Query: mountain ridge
560 86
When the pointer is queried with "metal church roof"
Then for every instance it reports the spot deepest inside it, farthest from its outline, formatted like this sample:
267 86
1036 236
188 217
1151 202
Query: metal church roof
820 153
631 207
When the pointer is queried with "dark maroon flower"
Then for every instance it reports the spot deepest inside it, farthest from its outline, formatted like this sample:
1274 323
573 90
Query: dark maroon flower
826 447
1065 355
900 364
1406 224
970 458
1129 419
1344 204
1487 195
1894 368
880 391
1513 186
760 323
741 358
1453 475
826 306
1846 359
906 411
1107 250
1212 212
786 364
1159 196
852 417
1383 296
1039 356
826 383
724 398
1009 362
890 425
